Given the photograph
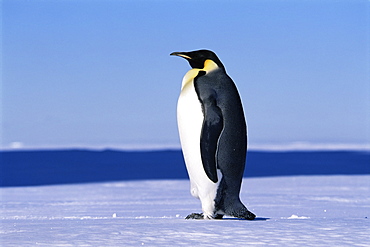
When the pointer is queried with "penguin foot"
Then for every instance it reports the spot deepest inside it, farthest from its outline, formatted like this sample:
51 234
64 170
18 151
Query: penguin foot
218 216
195 216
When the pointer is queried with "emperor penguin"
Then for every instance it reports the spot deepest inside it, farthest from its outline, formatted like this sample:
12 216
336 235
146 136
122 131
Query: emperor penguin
213 136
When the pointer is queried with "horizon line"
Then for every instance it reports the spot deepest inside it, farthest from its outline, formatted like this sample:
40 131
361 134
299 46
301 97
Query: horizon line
294 146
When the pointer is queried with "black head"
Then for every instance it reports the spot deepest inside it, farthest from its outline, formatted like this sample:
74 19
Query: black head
196 59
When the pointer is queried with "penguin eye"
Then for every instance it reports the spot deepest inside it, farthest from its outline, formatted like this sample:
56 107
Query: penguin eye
196 64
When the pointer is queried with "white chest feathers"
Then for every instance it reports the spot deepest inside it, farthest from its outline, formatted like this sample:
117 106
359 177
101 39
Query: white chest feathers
190 121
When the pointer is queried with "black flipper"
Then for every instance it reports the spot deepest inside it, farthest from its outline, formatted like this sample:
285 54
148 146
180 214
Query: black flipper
212 124
211 130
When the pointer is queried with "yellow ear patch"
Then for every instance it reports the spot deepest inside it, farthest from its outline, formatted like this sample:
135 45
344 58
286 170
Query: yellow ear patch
209 66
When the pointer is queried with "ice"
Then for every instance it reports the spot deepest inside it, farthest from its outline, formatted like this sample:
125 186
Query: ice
298 217
291 211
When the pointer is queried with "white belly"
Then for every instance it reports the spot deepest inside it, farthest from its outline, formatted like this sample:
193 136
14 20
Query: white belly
190 121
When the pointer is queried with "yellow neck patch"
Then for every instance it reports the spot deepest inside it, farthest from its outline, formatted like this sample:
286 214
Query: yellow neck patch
209 66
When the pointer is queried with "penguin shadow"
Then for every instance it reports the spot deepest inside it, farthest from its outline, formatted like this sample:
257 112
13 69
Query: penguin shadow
261 219
256 219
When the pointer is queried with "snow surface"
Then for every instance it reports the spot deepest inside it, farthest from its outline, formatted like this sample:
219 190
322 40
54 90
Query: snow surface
291 211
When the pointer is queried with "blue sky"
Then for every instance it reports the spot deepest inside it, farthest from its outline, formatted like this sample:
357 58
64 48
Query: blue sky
98 73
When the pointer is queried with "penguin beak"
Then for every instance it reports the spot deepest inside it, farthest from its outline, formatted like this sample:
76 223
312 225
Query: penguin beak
180 54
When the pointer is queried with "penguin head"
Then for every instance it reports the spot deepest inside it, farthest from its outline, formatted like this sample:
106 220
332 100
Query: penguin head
197 58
